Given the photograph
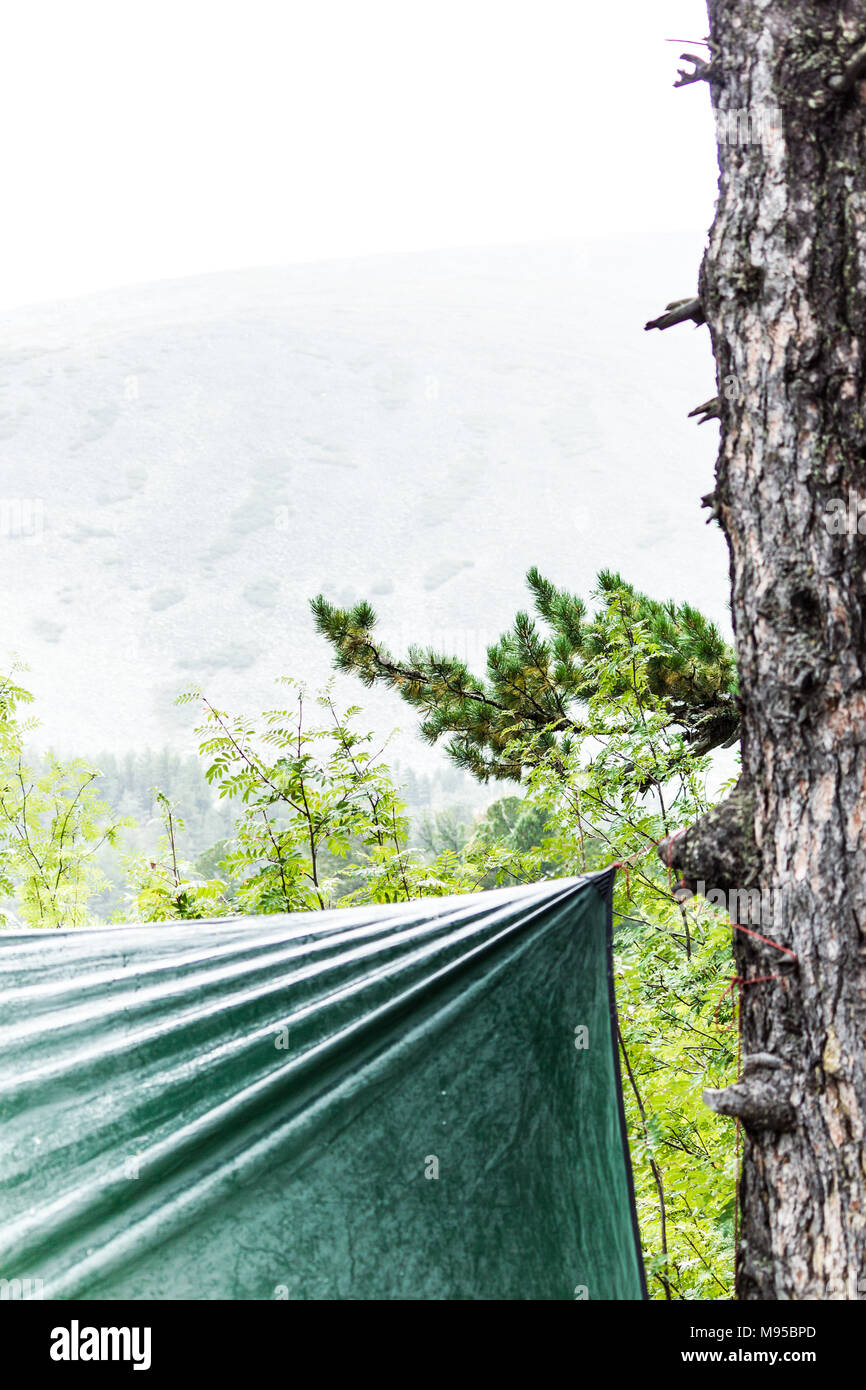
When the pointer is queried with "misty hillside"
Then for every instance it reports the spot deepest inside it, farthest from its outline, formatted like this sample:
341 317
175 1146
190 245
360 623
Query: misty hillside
197 458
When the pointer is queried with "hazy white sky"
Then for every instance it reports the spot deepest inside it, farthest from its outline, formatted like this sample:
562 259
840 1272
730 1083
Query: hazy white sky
146 141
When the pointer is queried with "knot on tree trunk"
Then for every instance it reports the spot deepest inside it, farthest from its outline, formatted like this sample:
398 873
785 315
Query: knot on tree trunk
762 1096
718 850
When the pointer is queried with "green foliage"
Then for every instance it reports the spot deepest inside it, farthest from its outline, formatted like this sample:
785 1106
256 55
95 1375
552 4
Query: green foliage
51 826
610 722
447 829
309 796
538 681
127 780
683 1155
11 729
167 887
624 783
322 822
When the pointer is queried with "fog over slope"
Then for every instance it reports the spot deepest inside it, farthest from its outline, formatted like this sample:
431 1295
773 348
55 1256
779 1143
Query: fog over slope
207 454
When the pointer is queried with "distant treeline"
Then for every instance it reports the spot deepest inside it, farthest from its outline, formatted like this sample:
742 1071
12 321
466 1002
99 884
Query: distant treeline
127 780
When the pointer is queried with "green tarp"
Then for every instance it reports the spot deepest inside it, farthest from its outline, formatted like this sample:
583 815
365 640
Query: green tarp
411 1102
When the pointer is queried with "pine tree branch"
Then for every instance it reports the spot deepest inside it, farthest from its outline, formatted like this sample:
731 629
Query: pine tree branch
710 410
702 71
679 311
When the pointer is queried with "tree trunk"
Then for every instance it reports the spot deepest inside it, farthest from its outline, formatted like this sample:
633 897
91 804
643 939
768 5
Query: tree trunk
783 288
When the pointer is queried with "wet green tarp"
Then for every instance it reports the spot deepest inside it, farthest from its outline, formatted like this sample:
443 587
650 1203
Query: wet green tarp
411 1102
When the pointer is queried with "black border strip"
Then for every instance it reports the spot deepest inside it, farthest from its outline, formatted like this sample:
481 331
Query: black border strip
604 883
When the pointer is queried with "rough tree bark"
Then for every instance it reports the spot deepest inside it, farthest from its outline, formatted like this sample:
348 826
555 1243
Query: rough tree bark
783 289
